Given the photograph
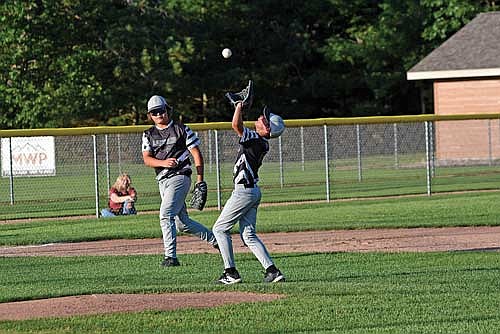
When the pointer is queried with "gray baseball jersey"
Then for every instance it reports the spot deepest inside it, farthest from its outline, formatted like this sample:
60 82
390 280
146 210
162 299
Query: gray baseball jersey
244 201
174 183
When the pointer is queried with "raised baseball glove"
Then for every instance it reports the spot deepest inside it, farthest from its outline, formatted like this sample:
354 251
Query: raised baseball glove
199 198
245 96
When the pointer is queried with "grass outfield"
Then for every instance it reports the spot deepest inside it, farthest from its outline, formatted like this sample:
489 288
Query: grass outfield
455 292
55 197
473 209
440 292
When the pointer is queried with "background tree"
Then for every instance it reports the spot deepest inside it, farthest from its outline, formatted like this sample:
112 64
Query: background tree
48 72
93 62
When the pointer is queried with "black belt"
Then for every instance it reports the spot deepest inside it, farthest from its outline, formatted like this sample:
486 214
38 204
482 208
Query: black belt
248 185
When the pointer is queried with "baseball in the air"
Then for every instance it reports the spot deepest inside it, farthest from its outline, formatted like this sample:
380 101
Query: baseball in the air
226 53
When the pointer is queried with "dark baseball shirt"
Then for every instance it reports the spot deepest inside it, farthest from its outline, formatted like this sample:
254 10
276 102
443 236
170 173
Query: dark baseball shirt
251 152
172 142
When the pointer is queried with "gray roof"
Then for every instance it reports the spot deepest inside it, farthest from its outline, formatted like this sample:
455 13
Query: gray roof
473 51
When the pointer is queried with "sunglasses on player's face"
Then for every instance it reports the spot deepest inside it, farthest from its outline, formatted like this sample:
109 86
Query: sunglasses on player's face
158 112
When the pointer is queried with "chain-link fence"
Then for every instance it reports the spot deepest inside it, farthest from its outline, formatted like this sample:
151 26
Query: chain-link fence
68 175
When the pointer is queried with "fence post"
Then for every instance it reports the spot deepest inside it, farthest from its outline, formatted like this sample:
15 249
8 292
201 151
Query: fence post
119 154
282 175
107 162
358 141
302 148
432 150
11 176
327 164
210 151
96 177
396 148
428 158
217 167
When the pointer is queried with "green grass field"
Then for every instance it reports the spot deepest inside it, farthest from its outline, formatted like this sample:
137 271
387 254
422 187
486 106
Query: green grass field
325 293
440 292
471 209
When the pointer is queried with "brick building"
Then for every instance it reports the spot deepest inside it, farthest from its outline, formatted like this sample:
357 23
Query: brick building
465 76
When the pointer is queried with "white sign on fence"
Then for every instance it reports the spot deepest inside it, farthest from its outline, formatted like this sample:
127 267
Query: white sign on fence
31 156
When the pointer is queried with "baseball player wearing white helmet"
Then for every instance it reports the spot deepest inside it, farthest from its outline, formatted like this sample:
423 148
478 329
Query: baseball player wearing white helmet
242 205
166 147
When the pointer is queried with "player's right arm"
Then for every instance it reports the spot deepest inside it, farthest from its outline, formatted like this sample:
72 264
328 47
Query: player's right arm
237 123
151 161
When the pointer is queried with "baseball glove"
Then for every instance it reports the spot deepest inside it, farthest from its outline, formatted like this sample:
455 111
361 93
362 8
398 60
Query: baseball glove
245 96
199 198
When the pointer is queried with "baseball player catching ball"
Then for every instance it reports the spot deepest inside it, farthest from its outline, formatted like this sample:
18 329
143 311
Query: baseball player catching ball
245 198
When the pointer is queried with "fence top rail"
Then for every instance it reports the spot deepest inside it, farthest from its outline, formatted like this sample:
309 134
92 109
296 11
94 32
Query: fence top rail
227 125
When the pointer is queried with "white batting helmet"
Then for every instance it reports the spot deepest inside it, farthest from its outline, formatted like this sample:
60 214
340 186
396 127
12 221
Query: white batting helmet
157 103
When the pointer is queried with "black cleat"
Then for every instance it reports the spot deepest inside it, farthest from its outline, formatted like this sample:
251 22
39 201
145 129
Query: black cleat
228 278
273 277
170 262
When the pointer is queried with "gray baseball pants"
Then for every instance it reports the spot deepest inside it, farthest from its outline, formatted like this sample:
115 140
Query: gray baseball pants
241 206
174 216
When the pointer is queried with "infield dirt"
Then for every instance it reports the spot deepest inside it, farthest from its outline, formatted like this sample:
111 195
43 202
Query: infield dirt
371 240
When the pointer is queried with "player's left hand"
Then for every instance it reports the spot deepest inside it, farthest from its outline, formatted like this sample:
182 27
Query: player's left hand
199 198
